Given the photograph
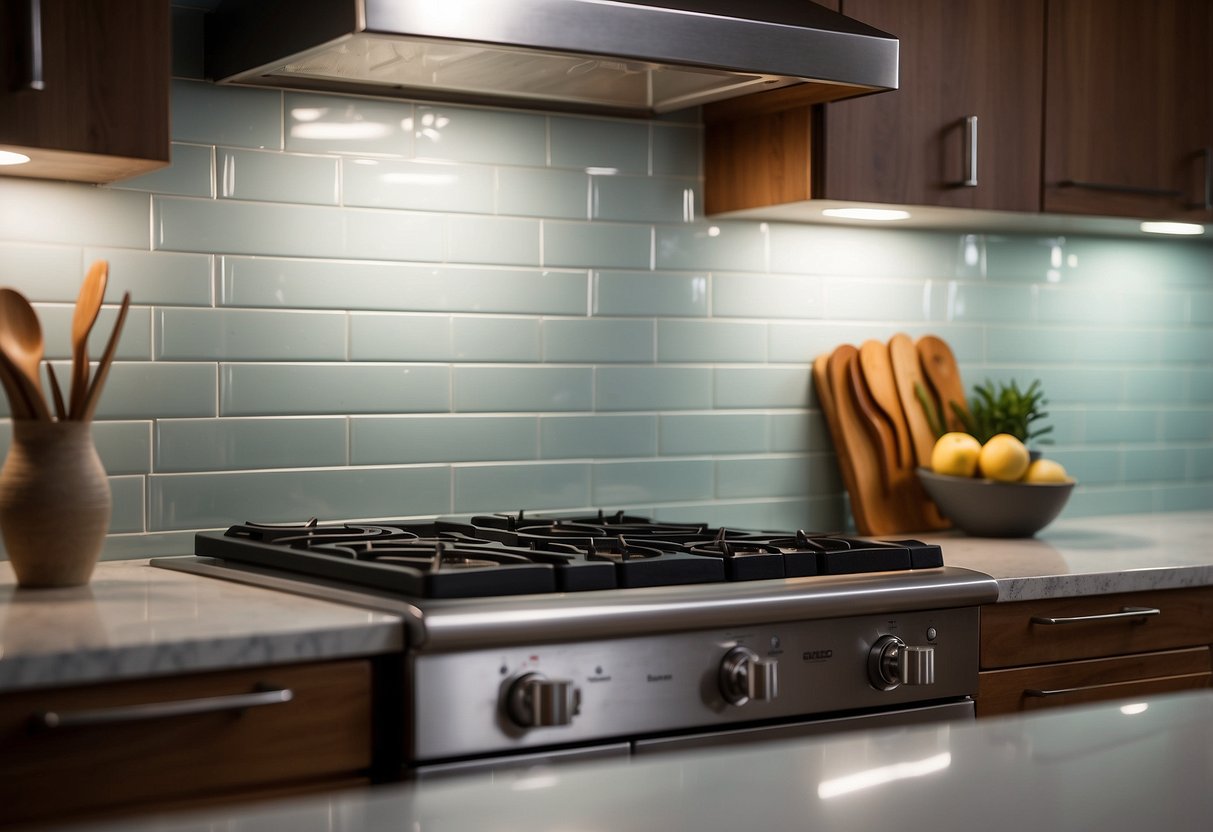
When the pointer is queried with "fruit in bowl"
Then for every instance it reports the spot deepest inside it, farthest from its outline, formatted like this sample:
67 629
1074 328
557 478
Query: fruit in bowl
1006 494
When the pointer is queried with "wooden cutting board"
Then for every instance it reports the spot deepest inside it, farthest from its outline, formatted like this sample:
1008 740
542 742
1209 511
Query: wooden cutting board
942 373
907 372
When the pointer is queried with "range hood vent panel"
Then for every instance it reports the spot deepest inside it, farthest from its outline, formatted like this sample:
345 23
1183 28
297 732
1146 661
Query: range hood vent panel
637 58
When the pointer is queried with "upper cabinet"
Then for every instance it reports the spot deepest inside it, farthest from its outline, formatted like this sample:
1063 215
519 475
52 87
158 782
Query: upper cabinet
84 87
1129 108
1096 107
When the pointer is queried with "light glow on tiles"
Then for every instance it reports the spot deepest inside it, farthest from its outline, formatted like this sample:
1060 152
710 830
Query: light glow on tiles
340 130
9 157
1182 228
602 171
1134 708
419 178
870 214
307 113
533 782
714 231
869 778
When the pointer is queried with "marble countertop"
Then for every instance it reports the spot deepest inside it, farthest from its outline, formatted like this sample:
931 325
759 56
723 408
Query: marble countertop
1093 555
1121 767
134 620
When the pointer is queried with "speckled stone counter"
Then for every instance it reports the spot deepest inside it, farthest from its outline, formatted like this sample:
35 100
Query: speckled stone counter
134 620
1093 555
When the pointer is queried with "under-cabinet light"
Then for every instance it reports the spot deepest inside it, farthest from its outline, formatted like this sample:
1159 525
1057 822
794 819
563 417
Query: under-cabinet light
876 214
1189 228
8 157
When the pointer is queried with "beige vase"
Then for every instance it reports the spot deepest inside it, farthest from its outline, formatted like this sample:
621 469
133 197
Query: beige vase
54 503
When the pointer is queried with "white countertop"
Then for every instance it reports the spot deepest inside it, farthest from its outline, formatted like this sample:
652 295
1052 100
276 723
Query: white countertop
1092 555
134 620
1112 768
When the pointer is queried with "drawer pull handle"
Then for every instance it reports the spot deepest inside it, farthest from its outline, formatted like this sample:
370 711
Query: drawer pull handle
1129 613
1064 691
1120 189
162 710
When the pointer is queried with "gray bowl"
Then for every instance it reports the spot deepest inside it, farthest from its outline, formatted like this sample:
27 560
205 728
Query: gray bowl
988 508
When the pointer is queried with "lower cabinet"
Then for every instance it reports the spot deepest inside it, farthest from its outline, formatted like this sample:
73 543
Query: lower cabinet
1070 651
112 748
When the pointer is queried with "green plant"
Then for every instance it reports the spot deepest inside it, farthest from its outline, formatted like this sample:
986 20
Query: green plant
1006 409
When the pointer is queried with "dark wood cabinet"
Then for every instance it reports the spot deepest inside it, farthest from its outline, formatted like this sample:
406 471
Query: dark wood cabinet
962 130
84 87
1129 108
1068 651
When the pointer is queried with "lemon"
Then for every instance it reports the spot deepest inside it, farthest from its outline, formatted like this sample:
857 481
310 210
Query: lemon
1004 458
1046 470
955 454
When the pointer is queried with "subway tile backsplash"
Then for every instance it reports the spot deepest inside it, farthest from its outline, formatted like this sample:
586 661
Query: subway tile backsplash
355 308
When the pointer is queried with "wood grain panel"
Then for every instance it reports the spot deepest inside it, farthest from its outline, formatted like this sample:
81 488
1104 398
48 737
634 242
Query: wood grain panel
762 159
323 733
1092 680
1009 638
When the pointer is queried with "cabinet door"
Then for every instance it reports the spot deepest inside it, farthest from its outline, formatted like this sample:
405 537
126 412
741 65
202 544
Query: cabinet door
960 59
1129 108
95 107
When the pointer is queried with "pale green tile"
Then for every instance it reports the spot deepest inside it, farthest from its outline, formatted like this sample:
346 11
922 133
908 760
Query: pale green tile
767 296
533 487
234 116
218 500
1120 425
502 241
41 273
158 390
134 343
136 546
811 514
36 211
1198 496
1200 385
865 299
535 192
495 339
390 286
127 495
611 144
421 186
1188 425
597 436
152 277
1055 346
250 335
603 245
411 439
966 302
1200 304
1023 257
653 388
729 246
276 177
753 387
644 199
332 389
1067 385
1183 345
400 337
677 149
191 173
799 432
650 293
184 445
1129 262
627 483
1154 464
1091 466
1153 385
124 447
714 433
776 476
838 251
465 134
1200 464
711 341
484 389
598 341
335 124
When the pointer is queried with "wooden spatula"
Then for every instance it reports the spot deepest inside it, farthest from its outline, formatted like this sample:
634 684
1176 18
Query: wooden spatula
939 366
906 373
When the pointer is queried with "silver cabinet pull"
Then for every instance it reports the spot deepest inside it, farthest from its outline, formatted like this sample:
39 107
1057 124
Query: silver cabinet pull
1207 205
970 180
1120 189
1127 613
162 710
32 77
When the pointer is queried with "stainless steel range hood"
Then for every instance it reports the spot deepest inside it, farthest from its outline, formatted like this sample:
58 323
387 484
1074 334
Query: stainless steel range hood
637 57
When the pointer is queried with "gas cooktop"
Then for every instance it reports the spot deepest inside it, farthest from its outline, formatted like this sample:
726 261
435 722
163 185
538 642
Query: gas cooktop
519 554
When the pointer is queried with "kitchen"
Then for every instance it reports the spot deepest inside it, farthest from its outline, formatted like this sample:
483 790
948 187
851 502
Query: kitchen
504 323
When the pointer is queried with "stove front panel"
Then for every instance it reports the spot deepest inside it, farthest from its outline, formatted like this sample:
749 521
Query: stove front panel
471 703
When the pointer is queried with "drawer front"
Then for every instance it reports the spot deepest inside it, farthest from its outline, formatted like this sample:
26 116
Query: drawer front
1092 680
1034 632
174 739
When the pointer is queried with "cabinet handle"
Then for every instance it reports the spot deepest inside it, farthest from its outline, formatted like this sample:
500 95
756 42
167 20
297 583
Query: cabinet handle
1126 613
970 180
1063 691
162 710
33 78
1121 189
1207 153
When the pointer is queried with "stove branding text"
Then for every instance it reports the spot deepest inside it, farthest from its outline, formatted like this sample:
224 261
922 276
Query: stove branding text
817 655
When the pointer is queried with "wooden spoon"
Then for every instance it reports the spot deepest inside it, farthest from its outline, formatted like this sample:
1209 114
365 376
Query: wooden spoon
18 404
107 358
939 366
878 373
87 305
21 343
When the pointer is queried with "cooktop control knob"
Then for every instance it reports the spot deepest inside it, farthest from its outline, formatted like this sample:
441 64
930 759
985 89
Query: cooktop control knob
535 701
893 663
745 676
